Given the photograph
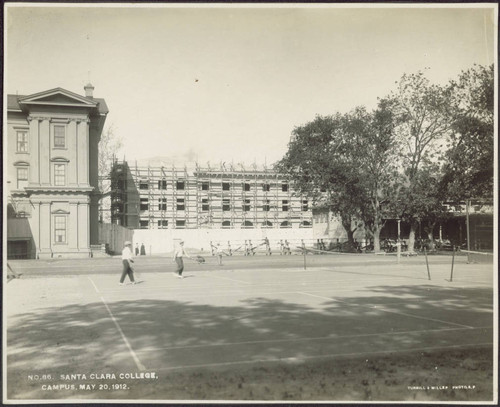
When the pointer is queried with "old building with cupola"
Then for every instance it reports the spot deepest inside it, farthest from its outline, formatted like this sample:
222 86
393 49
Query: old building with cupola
51 174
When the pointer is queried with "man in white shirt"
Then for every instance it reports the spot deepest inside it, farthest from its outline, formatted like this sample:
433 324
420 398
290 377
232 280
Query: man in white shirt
127 259
219 253
178 255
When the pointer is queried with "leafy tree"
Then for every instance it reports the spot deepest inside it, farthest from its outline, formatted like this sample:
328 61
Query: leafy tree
425 199
389 163
422 114
345 163
319 163
470 158
376 159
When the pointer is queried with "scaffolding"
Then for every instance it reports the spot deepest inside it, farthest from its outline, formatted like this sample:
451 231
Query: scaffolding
159 197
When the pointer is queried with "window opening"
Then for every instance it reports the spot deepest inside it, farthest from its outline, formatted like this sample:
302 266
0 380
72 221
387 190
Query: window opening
59 136
60 229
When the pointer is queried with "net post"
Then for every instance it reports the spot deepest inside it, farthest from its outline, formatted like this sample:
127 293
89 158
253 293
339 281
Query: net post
452 263
427 263
467 204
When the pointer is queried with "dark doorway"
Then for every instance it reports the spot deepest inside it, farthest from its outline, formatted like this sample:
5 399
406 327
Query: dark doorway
18 249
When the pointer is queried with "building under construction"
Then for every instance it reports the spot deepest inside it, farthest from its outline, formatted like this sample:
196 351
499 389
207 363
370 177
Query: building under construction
169 197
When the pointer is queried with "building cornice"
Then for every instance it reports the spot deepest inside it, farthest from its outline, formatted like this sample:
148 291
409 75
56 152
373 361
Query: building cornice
78 100
55 190
58 119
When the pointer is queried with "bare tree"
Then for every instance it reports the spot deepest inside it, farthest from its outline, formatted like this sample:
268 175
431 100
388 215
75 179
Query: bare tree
109 146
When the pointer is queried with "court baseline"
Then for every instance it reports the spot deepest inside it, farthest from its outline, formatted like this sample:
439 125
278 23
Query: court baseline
332 355
153 349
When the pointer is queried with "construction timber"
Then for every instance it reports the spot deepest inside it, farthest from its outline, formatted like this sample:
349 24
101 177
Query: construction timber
170 197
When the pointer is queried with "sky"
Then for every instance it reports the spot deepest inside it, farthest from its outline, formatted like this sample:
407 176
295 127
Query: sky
229 84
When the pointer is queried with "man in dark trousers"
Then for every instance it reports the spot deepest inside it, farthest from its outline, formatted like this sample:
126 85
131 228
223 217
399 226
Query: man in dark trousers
126 262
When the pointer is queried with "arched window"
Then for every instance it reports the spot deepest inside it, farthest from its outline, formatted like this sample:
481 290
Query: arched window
305 224
267 224
59 167
285 224
226 224
247 225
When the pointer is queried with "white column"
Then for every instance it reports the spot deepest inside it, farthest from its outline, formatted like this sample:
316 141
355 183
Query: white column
83 226
34 222
83 153
44 152
45 228
34 148
73 226
72 140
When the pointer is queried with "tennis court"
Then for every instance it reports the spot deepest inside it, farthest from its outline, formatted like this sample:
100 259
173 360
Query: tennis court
352 327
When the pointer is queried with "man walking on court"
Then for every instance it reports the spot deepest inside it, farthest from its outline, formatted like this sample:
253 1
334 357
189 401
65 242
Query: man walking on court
126 261
178 255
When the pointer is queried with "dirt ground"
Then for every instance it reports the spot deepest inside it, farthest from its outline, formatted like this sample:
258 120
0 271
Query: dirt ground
401 377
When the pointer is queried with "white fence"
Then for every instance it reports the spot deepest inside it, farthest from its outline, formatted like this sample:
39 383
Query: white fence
163 241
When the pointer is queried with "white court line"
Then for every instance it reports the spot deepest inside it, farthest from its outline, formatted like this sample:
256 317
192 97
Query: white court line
218 294
389 311
257 285
95 287
331 355
215 291
155 349
138 363
231 279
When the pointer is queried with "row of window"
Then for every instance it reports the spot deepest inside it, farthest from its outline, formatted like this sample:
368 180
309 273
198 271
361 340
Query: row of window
163 224
59 139
205 186
226 205
59 175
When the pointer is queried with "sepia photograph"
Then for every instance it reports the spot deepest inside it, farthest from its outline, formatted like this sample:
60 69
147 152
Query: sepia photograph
250 203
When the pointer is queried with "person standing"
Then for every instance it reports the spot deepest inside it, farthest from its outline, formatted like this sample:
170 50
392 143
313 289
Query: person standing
287 248
143 250
178 255
136 249
268 246
127 259
219 253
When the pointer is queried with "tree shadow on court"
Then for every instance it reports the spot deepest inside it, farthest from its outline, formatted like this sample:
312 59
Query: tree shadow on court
166 334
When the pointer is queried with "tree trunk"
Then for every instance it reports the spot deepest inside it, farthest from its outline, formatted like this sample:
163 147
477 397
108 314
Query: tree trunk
373 229
430 235
347 224
350 236
376 238
411 237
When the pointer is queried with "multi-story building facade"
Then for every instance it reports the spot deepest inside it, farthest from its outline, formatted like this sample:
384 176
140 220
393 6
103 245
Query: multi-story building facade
166 197
52 141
